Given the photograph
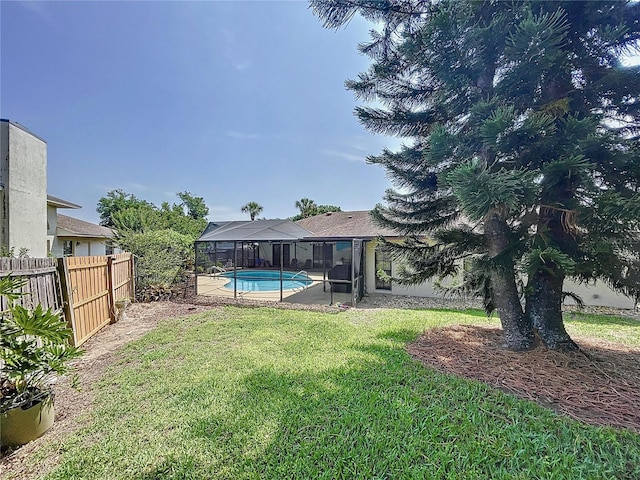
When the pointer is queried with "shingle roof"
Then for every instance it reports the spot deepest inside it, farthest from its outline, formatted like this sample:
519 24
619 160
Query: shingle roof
60 203
72 227
334 225
356 224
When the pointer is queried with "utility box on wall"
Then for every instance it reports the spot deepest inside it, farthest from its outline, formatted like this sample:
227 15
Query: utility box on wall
23 190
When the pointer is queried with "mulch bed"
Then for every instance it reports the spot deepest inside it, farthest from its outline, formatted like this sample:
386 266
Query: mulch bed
600 385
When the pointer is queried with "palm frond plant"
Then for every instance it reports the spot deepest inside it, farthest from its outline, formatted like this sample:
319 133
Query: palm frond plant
34 349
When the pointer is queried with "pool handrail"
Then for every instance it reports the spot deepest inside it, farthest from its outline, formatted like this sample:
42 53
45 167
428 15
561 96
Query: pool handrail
305 284
217 269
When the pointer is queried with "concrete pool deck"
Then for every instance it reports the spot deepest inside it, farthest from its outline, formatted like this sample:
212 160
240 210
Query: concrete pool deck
213 285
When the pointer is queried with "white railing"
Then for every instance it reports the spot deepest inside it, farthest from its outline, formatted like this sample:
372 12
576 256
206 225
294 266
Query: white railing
301 272
216 269
305 282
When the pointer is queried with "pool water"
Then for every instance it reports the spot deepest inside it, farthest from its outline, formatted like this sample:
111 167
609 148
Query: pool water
266 280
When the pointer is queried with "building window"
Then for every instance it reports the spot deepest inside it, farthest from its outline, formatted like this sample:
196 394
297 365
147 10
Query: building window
383 271
108 248
67 248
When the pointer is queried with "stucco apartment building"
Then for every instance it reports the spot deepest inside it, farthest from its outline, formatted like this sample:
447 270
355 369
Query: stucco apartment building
29 218
23 189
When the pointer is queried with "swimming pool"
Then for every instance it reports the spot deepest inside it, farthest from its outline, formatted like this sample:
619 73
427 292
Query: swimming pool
266 280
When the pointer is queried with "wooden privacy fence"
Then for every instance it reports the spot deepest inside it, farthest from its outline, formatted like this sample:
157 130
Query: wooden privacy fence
85 288
42 281
93 284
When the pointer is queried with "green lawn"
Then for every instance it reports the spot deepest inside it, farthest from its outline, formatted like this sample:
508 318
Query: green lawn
280 394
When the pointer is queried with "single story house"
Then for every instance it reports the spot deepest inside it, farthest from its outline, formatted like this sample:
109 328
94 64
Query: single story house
336 249
79 238
68 236
359 224
340 227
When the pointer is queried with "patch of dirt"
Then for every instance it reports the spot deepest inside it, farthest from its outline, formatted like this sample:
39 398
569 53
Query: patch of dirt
600 385
602 389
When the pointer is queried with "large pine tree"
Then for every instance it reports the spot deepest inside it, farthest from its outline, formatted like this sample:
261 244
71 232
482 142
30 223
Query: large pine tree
522 158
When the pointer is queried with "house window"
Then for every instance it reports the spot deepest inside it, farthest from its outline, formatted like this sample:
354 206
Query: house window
108 248
67 248
383 270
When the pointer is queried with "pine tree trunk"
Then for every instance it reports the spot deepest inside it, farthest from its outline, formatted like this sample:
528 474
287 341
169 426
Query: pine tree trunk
517 328
544 309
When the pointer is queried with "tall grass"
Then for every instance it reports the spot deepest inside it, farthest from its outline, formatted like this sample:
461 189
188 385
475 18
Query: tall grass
277 394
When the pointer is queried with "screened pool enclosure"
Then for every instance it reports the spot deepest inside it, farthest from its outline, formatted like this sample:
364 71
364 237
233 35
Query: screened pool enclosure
278 260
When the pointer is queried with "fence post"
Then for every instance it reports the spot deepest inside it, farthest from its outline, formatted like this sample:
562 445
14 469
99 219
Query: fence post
67 296
132 274
111 297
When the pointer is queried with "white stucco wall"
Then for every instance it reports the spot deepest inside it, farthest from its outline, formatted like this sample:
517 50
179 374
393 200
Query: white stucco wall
425 289
23 175
4 173
82 247
57 249
52 225
598 294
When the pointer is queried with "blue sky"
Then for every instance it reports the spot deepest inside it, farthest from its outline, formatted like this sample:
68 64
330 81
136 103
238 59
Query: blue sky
232 101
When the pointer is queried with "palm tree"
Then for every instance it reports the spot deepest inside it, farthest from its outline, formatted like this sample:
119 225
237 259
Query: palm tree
253 209
307 207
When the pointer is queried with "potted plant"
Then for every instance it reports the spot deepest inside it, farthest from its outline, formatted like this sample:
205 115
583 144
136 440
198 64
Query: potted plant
34 350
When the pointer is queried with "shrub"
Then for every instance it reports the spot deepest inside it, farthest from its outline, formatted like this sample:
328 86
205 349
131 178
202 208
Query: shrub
160 256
